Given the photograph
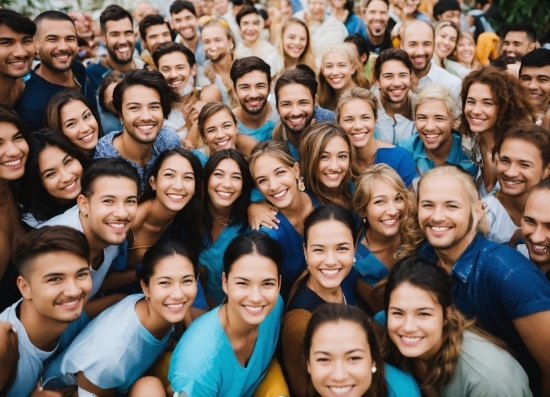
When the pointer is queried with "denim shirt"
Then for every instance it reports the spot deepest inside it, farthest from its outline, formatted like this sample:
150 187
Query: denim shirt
497 285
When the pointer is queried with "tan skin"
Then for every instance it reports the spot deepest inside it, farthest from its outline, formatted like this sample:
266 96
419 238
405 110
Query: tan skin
11 230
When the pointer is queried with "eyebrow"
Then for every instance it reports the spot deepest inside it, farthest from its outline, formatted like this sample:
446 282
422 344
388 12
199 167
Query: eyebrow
348 352
139 103
51 169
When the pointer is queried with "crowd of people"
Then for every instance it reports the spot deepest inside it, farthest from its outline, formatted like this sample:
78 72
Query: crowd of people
299 198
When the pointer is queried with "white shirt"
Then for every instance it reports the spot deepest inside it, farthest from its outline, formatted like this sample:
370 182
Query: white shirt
439 75
502 228
392 131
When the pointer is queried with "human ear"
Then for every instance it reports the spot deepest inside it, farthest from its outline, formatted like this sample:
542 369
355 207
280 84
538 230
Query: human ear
24 287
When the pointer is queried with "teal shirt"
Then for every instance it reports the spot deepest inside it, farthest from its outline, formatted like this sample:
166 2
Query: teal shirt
264 133
370 269
457 156
400 383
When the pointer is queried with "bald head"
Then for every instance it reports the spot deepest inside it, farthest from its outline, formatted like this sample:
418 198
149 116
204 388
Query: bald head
423 28
417 39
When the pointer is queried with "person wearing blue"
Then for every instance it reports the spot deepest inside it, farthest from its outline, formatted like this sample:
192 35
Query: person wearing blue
185 22
352 363
142 101
252 81
227 351
436 143
506 293
124 341
226 188
58 69
356 113
277 176
342 10
55 281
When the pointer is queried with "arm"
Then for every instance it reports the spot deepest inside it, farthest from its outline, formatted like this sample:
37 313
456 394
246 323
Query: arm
9 354
294 329
260 214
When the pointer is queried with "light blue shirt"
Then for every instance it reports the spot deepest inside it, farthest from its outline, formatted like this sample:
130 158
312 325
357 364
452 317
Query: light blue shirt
263 133
113 351
204 363
400 383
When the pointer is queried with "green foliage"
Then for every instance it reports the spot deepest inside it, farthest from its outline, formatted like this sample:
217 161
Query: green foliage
537 12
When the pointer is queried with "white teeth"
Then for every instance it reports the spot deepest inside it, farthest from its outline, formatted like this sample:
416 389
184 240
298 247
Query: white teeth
175 306
431 136
411 340
175 196
145 127
69 303
87 137
328 272
340 390
253 309
359 135
440 228
512 182
389 221
333 175
117 225
280 194
12 163
222 143
540 248
224 194
69 187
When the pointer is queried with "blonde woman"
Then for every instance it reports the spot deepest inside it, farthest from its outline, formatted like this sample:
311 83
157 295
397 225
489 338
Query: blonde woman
463 59
340 69
446 36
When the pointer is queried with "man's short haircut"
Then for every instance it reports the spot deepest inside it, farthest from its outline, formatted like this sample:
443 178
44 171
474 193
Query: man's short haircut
528 132
538 58
53 15
148 21
113 13
521 27
17 22
171 47
246 11
391 54
180 5
49 239
442 6
111 167
302 75
366 3
148 78
246 65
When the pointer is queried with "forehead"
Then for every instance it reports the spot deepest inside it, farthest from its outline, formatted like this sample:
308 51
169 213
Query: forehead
520 149
437 106
419 32
356 106
140 94
219 117
6 32
123 24
536 70
176 57
336 56
448 30
250 17
213 31
62 262
516 36
537 205
377 5
7 130
177 162
480 90
183 14
267 163
254 267
114 186
336 144
293 92
329 231
156 29
253 77
295 28
441 188
228 165
393 66
51 27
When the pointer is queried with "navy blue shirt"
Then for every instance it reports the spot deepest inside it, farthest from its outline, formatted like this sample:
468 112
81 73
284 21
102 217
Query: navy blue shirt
497 284
38 91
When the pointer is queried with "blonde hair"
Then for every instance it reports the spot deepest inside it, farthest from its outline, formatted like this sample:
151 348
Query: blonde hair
436 92
356 93
327 95
479 221
314 141
409 230
454 55
307 57
271 148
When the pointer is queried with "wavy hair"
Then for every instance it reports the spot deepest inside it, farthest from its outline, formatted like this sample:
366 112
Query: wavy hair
307 57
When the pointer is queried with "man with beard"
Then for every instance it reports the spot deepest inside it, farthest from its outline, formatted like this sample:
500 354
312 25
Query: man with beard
518 40
534 73
17 48
379 25
154 31
255 116
56 42
185 23
417 39
119 38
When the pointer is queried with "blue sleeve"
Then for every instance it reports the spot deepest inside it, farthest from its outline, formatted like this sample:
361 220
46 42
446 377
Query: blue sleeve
296 6
406 167
256 195
200 299
400 383
172 140
354 24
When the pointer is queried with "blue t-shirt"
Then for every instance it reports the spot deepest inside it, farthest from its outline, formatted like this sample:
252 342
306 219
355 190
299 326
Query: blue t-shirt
457 155
96 73
204 363
398 159
370 269
113 351
400 383
263 133
354 24
497 285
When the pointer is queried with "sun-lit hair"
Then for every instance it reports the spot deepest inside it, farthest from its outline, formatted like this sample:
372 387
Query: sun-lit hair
307 57
452 171
436 92
221 23
356 93
411 235
314 141
327 95
454 56
271 148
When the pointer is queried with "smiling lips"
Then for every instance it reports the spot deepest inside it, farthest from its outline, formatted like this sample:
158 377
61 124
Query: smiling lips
71 185
87 138
117 225
12 163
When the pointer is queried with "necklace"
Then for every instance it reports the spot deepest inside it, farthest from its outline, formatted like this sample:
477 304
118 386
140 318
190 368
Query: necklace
220 221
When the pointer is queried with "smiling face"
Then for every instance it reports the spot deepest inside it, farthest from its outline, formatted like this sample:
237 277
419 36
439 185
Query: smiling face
329 254
276 180
60 173
252 288
156 35
110 209
79 125
294 40
142 115
220 131
58 285
175 183
385 209
394 81
215 42
535 227
480 109
171 290
516 44
225 185
317 9
13 152
16 53
445 41
334 163
537 81
120 40
340 366
415 322
252 91
434 124
250 27
185 23
57 45
418 42
338 70
376 18
519 166
295 106
357 119
176 70
465 51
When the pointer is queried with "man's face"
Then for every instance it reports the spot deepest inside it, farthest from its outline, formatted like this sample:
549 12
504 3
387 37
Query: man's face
394 81
141 11
156 35
376 18
120 40
252 91
451 15
250 26
185 23
537 81
434 123
57 45
419 44
295 106
142 115
535 226
16 53
221 6
317 9
517 44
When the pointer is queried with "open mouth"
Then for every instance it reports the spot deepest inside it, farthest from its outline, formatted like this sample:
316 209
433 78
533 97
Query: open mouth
224 195
357 136
511 183
410 340
70 304
176 83
333 176
175 307
222 144
118 226
70 186
389 222
175 197
296 120
87 138
123 50
330 273
19 63
253 309
476 120
431 138
146 128
539 249
336 80
13 163
340 390
280 195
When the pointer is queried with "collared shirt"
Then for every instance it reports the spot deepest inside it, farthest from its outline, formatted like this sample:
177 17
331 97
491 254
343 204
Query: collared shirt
457 155
166 139
438 75
502 227
497 285
200 55
393 131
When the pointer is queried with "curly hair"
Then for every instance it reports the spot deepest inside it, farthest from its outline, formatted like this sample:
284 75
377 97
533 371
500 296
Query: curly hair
509 96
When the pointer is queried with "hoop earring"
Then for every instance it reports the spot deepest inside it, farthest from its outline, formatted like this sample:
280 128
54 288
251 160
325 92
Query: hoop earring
301 186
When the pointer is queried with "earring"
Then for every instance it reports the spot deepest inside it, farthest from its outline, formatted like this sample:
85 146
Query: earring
154 189
373 369
205 143
301 186
85 213
354 260
364 220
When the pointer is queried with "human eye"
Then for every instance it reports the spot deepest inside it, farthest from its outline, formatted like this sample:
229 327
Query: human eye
343 248
68 161
164 282
425 314
269 284
133 108
324 156
281 172
399 198
380 201
108 201
227 125
87 115
366 117
237 177
348 119
504 160
189 177
18 137
132 201
83 274
168 174
218 174
343 156
322 360
155 107
261 181
54 279
27 41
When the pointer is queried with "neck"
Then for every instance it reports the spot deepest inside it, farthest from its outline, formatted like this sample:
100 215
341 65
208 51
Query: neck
514 205
97 245
220 214
233 326
43 332
294 138
253 120
392 108
294 209
123 68
421 73
486 141
543 108
440 155
351 84
447 257
375 40
154 323
339 12
158 215
368 152
331 295
138 152
250 44
56 77
290 63
378 240
11 90
224 65
191 44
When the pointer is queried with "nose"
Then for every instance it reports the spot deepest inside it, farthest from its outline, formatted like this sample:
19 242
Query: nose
330 258
273 185
66 175
438 214
339 372
430 124
145 113
512 170
11 150
19 50
120 210
176 291
392 209
62 45
255 296
409 324
357 124
72 289
538 236
333 165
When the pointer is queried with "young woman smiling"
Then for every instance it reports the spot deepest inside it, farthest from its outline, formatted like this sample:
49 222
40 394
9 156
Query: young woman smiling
226 188
277 176
463 59
428 337
329 244
105 359
227 351
446 36
356 113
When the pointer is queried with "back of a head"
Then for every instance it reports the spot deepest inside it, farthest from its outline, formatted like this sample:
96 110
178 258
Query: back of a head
107 167
443 6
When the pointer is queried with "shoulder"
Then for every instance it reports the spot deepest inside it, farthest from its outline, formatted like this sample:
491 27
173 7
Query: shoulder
105 145
68 218
400 383
320 114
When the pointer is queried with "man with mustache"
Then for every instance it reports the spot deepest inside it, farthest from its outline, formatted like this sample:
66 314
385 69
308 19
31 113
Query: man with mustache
17 49
256 116
56 42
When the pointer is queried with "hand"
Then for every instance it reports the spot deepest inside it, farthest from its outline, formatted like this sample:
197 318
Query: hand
260 214
40 392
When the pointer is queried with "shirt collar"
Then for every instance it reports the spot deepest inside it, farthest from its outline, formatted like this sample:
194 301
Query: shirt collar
463 266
